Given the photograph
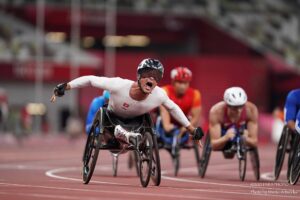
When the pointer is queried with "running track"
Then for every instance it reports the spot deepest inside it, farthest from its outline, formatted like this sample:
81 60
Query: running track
50 168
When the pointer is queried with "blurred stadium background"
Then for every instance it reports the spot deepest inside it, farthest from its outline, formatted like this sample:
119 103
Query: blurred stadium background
250 43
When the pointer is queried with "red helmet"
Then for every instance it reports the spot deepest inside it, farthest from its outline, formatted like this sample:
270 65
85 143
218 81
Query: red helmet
181 74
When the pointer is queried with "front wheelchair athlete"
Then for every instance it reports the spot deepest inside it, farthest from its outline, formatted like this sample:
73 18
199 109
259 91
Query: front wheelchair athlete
109 139
130 99
173 141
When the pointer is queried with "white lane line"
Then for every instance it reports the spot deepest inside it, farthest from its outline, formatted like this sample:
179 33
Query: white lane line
256 186
252 193
43 196
23 167
142 194
253 185
269 176
53 174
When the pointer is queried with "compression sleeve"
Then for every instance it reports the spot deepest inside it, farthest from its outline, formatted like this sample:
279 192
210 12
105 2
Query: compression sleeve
176 112
105 83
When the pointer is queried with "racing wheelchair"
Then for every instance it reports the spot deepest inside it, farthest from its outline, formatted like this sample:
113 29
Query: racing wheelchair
101 137
173 142
237 147
284 146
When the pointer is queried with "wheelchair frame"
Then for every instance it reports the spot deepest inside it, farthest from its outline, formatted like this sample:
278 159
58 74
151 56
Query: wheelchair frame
241 152
147 146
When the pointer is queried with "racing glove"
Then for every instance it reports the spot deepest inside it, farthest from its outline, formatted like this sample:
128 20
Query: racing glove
59 90
197 133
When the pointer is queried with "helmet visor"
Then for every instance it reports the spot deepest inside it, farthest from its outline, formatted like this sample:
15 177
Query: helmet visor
148 73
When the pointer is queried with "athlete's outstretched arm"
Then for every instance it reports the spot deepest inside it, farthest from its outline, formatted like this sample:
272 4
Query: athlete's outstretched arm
83 81
177 113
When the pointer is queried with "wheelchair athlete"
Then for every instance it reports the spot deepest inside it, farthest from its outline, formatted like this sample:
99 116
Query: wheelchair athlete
129 99
292 121
187 98
234 114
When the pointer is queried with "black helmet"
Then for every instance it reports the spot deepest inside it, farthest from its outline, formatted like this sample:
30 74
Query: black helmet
150 64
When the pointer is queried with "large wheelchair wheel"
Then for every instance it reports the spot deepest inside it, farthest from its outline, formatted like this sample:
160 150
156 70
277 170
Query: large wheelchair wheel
281 150
290 150
145 159
295 163
156 170
90 154
254 157
242 157
205 157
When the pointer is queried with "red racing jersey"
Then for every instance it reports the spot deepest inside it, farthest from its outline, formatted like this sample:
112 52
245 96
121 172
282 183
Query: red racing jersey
191 99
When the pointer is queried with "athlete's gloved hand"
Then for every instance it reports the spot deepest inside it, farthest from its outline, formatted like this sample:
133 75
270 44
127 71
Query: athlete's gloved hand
59 90
198 133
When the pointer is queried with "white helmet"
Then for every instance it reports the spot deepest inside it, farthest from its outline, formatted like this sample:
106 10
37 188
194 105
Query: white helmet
235 96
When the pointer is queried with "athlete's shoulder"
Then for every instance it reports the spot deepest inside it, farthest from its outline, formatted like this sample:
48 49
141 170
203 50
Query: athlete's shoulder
160 92
196 91
294 93
250 105
252 110
122 79
216 113
218 108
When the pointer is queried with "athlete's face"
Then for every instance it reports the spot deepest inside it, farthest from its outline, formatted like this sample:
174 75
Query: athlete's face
180 87
235 111
147 84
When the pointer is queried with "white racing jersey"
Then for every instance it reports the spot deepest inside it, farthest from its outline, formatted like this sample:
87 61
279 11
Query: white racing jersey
121 104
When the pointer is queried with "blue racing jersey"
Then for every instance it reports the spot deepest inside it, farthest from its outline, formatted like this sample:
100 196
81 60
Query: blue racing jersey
97 103
292 105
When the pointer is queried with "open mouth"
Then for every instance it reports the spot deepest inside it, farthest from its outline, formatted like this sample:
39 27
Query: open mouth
149 84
